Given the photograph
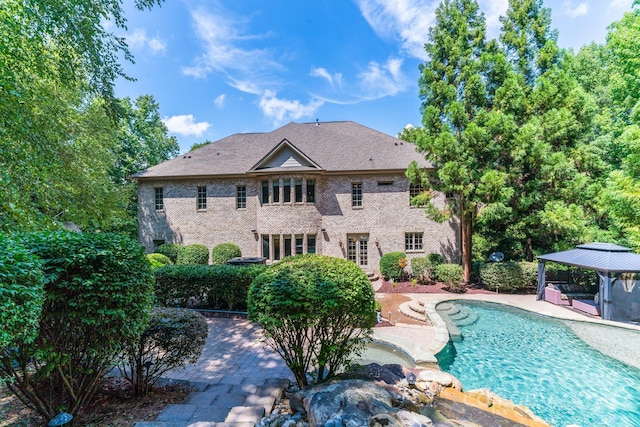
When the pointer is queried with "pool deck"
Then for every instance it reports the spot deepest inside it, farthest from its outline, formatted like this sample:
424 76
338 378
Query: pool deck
422 343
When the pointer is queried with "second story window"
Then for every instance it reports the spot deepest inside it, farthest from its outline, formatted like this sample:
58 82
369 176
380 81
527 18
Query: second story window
201 201
276 191
265 192
414 191
311 191
241 197
286 191
159 198
298 190
356 195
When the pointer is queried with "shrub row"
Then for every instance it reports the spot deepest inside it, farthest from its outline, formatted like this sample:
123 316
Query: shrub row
216 286
508 276
199 254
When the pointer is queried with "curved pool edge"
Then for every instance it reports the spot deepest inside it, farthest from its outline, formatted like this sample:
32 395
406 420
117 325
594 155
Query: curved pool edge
540 307
412 340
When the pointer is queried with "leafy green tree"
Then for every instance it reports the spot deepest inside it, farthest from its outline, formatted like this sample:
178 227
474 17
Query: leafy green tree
461 133
317 312
56 57
197 145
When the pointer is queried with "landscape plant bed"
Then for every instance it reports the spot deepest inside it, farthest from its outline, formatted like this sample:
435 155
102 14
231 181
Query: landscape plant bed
111 406
410 288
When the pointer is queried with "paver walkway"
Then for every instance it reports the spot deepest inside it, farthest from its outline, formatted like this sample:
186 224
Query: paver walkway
237 377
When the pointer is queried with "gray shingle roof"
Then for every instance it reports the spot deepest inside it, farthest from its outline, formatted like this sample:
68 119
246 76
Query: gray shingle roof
333 146
603 257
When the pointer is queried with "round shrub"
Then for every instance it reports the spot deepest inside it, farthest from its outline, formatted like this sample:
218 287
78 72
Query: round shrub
21 293
98 295
317 312
223 252
174 338
390 265
424 268
170 250
158 260
193 254
449 274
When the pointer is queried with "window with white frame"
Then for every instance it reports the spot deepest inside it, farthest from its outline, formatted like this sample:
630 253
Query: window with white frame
356 195
413 241
159 198
414 191
276 246
201 201
241 197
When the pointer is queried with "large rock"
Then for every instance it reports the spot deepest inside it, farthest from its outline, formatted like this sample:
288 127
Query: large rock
354 401
444 379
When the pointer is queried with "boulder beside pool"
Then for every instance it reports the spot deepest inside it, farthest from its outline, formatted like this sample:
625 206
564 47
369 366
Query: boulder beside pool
406 397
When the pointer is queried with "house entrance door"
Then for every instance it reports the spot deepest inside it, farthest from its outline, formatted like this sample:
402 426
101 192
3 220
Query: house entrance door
358 249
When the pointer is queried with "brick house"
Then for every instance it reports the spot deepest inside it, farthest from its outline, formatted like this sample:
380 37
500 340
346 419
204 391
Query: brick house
332 188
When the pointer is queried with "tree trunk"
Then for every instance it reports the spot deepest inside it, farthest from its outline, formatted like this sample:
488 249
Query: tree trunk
466 218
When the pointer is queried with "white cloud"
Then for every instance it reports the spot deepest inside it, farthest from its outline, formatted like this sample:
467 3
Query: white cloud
383 80
575 11
138 40
407 20
219 101
622 4
185 125
223 38
323 73
283 110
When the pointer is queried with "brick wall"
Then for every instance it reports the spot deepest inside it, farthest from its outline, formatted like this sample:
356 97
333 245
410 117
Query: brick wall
385 216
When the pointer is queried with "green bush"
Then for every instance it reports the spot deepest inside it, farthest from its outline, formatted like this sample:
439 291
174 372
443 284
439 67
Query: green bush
223 252
21 293
449 274
317 312
98 295
217 286
509 276
193 254
170 250
390 265
174 338
424 268
158 260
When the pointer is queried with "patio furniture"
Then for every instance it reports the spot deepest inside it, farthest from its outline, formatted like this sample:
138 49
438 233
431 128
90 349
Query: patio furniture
565 293
588 306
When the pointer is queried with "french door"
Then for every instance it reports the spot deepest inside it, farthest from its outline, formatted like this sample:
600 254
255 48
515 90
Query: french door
358 249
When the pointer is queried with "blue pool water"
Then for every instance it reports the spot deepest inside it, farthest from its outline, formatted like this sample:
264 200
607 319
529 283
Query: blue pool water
539 362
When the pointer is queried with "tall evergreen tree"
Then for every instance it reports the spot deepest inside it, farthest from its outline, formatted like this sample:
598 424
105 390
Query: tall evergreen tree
457 86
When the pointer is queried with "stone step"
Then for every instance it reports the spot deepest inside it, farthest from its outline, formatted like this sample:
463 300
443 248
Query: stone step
222 405
460 315
470 319
447 307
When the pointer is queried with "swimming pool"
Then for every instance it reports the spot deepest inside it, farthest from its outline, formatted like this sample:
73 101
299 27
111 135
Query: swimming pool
541 363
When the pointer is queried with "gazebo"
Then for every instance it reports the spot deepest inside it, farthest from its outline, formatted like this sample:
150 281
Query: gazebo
606 259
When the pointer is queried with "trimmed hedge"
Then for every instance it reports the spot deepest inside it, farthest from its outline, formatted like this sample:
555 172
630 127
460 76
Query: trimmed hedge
509 276
223 252
390 265
193 254
222 287
169 250
158 260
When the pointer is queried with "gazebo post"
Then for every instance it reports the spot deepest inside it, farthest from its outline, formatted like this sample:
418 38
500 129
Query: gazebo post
541 279
605 294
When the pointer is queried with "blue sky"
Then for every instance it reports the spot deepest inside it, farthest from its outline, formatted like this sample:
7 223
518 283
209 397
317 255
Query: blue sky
218 68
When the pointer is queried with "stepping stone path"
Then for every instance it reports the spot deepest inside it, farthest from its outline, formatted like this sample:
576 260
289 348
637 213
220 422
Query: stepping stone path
223 405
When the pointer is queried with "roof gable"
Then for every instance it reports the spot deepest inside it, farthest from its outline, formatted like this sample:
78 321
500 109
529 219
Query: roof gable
285 156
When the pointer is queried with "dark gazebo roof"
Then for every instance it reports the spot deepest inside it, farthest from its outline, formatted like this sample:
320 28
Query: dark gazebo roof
605 257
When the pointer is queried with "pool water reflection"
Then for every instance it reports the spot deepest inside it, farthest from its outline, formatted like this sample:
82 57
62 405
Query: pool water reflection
541 363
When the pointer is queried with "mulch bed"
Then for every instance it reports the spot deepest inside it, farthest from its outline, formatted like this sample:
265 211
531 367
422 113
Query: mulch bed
410 288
